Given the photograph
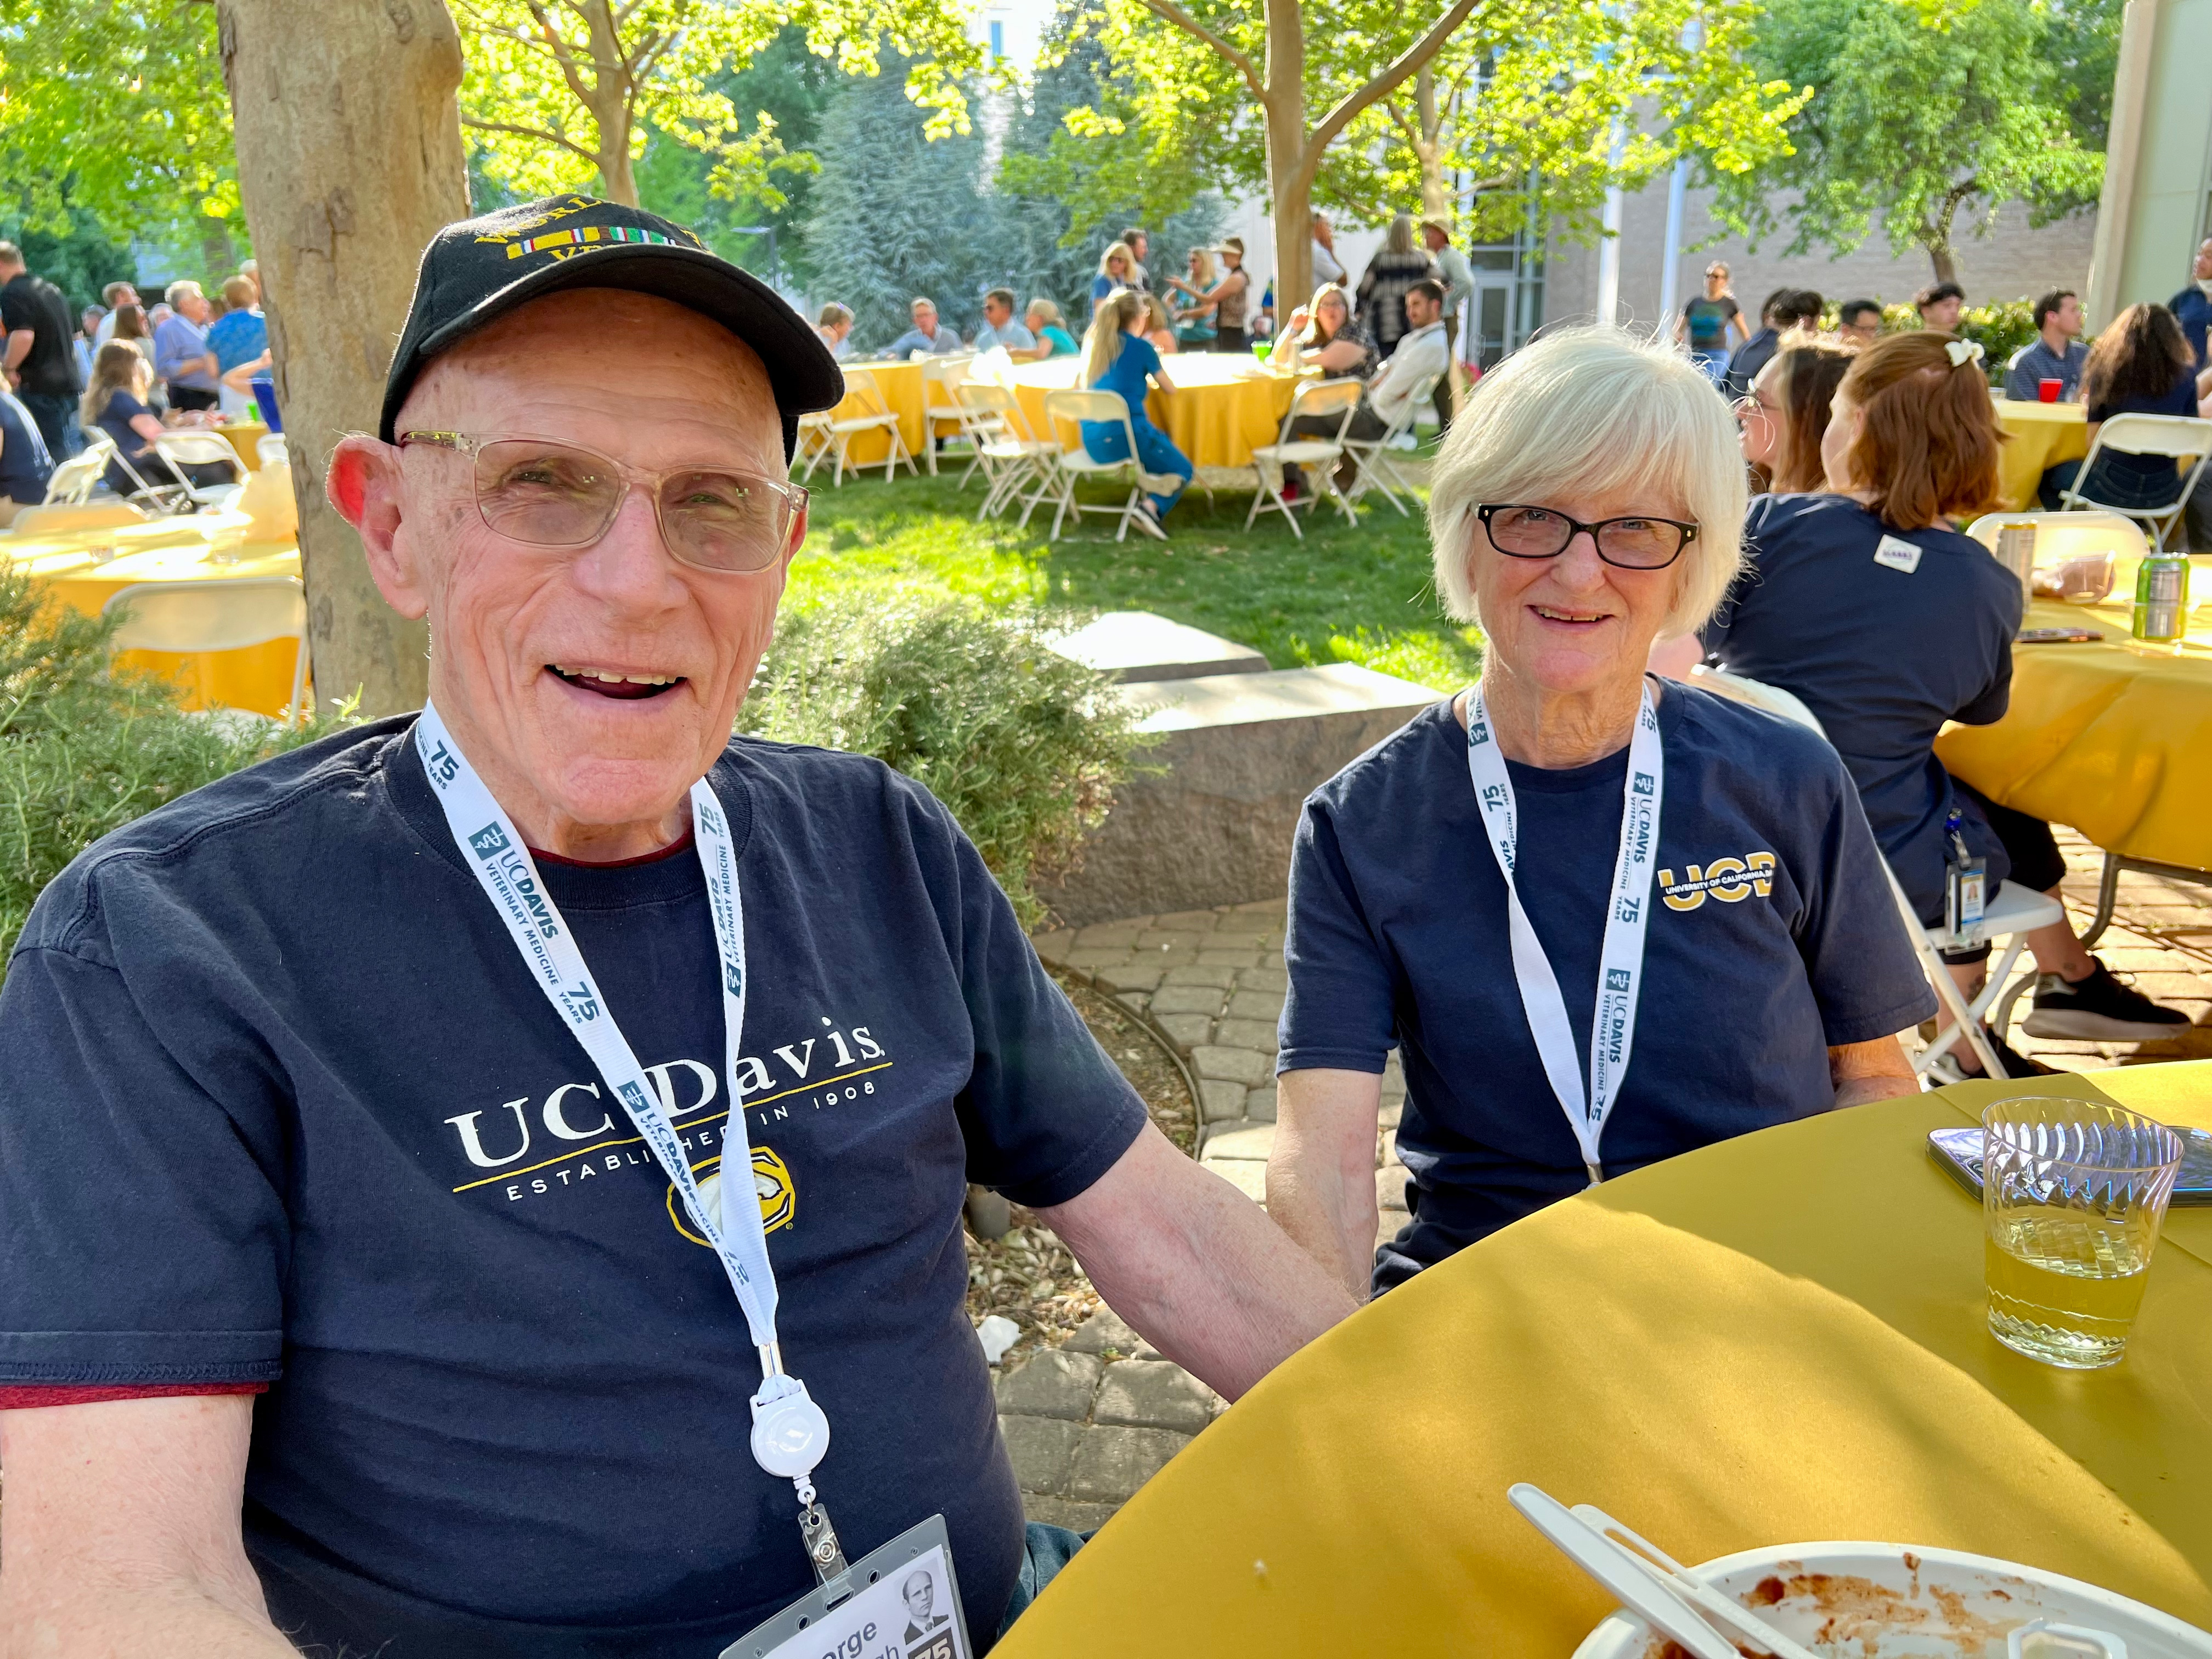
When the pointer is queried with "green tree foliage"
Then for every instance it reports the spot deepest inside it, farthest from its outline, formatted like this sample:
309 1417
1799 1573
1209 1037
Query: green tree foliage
561 94
80 262
119 111
1922 113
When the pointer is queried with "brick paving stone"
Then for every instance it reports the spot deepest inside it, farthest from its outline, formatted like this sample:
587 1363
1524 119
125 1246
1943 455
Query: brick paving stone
1258 1034
1171 939
1154 1394
1217 956
1238 1138
1111 1463
1390 1186
1260 1103
1273 976
1219 1100
1246 1066
1041 1449
1105 1332
1132 976
1188 999
1248 1175
1188 1032
1053 946
1137 1002
1255 1004
1391 1108
1220 978
1111 932
1061 1512
1188 921
1051 1382
1097 955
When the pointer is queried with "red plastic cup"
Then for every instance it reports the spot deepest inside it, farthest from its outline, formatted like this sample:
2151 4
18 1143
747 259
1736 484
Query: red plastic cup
2048 390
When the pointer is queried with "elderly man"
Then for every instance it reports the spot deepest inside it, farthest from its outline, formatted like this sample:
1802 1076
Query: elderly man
400 1077
925 334
181 356
999 327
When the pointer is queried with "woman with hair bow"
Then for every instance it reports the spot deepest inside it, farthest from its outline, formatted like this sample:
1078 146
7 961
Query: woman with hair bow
1865 600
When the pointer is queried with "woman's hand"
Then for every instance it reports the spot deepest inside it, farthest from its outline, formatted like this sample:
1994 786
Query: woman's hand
1297 322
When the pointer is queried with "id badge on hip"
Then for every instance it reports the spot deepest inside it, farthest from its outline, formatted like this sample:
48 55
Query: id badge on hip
901 1602
1965 885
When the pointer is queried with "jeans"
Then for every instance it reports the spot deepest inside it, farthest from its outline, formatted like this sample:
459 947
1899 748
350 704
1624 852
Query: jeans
1046 1550
1715 364
1156 453
2109 485
1366 426
57 420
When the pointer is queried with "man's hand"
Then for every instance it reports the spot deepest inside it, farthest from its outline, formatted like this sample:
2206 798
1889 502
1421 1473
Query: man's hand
121 1538
1321 1180
1196 1266
1871 1071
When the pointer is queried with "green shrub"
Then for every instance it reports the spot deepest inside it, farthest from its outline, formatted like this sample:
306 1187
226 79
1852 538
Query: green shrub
1019 741
85 749
2002 328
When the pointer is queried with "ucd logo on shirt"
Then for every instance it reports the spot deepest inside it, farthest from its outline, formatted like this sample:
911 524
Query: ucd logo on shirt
772 1186
1731 880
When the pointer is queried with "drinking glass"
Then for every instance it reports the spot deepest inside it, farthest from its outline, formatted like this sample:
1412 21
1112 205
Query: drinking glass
2073 1195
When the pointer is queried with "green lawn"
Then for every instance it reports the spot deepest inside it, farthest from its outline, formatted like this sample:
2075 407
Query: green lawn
1346 593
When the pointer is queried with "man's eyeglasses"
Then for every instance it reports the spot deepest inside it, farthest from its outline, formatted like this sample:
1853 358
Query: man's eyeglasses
545 492
1630 544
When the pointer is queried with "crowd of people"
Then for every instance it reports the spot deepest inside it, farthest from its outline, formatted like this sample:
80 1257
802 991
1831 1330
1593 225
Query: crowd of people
122 369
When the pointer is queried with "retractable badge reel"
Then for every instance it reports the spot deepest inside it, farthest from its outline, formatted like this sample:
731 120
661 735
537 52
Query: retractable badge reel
1965 885
790 1435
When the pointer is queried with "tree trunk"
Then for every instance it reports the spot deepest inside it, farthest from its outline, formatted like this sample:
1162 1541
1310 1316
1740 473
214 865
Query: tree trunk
1429 148
349 160
610 105
1288 177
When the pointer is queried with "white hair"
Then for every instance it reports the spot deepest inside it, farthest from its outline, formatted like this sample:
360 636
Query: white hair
1585 411
180 291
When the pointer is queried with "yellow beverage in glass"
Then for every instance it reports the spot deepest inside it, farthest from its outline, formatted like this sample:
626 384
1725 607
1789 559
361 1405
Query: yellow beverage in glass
2073 1196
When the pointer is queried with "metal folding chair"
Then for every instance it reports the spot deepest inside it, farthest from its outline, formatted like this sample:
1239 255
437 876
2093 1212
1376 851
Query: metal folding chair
1373 469
72 482
1074 462
941 377
875 416
185 448
1010 455
1317 397
2175 435
222 613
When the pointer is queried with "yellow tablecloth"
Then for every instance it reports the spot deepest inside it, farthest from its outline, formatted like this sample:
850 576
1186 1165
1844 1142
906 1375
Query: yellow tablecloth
245 438
906 394
1780 1339
258 679
2040 436
2114 739
1224 402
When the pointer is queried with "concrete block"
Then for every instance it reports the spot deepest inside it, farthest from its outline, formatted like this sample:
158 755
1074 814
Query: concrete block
1260 1104
1063 1512
1390 1188
1053 946
1188 999
1053 1383
1248 1175
1154 1394
1111 1463
1043 1449
1111 932
1272 978
1255 1004
1104 1332
1139 646
1188 921
1135 1001
1246 1066
1239 1138
1258 1034
1138 976
1221 979
1178 941
1241 752
1187 1031
1219 1100
1219 953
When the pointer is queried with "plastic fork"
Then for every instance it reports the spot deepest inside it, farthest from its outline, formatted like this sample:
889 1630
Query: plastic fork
1714 1604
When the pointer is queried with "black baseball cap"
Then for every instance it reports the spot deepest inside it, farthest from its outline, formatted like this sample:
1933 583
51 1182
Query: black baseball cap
478 270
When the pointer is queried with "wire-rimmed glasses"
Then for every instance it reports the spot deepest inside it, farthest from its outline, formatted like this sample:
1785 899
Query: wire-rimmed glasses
544 492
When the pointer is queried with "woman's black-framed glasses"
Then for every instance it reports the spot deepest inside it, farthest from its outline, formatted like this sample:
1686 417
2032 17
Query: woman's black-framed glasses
1630 544
545 492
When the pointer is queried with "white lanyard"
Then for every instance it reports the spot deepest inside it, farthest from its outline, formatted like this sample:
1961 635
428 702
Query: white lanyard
790 1432
1620 961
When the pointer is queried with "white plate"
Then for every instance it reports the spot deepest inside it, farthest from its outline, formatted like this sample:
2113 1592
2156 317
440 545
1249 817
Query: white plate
1899 1601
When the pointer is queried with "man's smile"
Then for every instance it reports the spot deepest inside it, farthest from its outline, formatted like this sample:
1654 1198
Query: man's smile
621 684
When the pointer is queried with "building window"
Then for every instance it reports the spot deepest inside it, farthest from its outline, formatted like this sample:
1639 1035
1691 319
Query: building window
998 40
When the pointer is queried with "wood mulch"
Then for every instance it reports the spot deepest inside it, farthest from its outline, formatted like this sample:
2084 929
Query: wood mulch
1029 1276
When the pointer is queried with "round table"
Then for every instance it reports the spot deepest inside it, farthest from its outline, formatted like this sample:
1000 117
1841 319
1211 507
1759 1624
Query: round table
2038 436
1224 402
2114 738
1779 1339
87 569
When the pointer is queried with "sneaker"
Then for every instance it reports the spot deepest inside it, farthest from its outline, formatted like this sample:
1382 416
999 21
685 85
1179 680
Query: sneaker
2100 1008
1946 1068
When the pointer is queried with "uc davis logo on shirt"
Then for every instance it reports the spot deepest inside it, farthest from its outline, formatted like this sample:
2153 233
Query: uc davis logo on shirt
1730 880
772 1186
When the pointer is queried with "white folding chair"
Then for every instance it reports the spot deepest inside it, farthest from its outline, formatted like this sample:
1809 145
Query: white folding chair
1072 462
1315 397
269 449
2175 435
815 443
1373 469
940 382
2010 914
73 481
1010 455
875 416
225 613
185 448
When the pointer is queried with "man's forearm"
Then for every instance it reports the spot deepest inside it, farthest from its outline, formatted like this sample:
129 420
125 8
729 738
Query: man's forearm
1330 1212
1197 1268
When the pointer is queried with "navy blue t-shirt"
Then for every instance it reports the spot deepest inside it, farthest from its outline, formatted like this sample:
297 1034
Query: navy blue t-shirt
1883 656
1772 938
25 465
2146 472
278 1101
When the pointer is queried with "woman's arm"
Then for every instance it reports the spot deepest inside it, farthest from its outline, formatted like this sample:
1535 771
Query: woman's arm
1870 1070
1340 354
148 426
1159 378
1321 1175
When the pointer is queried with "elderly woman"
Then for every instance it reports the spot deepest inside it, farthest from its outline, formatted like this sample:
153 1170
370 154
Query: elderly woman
1571 846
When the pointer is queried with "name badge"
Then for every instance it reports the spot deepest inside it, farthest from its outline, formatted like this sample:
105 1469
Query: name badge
901 1602
1897 554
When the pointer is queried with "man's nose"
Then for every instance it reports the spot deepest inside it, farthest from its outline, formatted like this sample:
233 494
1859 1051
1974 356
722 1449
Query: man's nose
630 562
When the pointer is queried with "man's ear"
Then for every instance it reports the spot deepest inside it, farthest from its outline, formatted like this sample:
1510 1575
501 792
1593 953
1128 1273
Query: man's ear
364 484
